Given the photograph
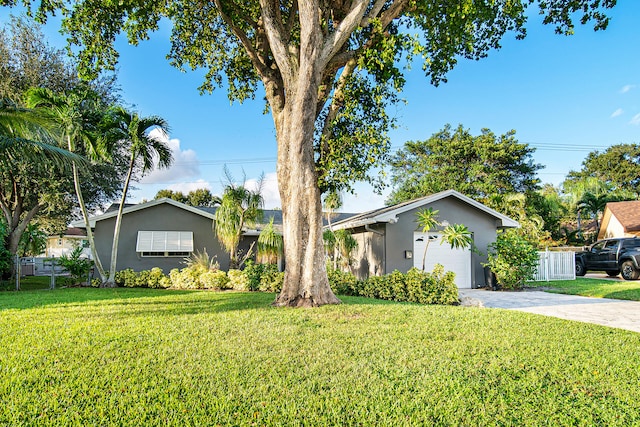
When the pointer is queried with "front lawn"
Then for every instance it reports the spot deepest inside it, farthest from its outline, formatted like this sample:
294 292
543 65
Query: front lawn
140 357
600 288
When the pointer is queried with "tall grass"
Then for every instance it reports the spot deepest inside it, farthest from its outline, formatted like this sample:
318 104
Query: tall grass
149 357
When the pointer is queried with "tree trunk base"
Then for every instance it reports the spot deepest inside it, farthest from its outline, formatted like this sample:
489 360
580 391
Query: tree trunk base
108 284
300 301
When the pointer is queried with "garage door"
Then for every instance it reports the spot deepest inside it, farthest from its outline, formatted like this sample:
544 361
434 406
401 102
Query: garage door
456 260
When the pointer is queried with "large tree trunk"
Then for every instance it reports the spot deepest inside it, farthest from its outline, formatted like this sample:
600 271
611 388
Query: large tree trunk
305 280
16 226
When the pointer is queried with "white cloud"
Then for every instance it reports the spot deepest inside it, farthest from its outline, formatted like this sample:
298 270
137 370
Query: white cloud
617 113
185 163
635 120
627 88
270 192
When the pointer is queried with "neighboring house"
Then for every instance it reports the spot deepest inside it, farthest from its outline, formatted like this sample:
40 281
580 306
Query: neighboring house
620 219
390 239
64 243
162 233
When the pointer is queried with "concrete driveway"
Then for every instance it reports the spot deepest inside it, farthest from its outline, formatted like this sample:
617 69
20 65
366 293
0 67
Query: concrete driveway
608 312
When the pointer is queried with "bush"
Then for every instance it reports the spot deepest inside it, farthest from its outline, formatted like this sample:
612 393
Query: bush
153 278
156 279
263 277
418 286
238 280
341 282
126 278
271 279
214 279
77 267
512 259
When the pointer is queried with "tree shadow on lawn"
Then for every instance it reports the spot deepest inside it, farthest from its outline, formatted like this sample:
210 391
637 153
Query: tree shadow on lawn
142 301
628 295
75 296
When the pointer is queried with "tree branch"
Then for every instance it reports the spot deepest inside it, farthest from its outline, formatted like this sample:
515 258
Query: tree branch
274 32
256 60
396 8
336 39
337 103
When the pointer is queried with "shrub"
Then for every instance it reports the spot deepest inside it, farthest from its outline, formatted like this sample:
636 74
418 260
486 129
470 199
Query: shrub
187 278
77 267
262 277
214 279
418 286
253 272
238 280
126 278
272 279
153 278
157 279
512 259
342 283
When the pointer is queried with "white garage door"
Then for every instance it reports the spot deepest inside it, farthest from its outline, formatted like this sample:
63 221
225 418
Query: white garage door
456 260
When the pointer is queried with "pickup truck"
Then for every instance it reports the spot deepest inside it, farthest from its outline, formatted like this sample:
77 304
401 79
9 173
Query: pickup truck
613 256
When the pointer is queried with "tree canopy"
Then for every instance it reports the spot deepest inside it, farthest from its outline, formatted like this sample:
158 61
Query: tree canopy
478 166
328 70
200 197
618 166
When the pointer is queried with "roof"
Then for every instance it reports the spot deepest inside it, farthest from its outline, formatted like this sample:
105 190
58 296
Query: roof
627 213
390 213
72 232
207 212
145 205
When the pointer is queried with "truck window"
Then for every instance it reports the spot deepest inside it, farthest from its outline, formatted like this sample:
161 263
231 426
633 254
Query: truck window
597 247
631 243
612 245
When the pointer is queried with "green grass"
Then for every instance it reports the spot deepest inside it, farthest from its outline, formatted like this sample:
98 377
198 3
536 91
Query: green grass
151 357
139 357
600 288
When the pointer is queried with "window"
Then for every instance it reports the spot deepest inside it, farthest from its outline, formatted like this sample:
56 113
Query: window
164 243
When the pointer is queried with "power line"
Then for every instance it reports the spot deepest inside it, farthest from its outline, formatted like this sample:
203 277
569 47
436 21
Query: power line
542 146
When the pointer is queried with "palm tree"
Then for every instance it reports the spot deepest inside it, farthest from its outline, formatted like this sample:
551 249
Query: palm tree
332 202
345 245
457 235
270 244
594 204
427 219
133 130
240 207
75 115
25 136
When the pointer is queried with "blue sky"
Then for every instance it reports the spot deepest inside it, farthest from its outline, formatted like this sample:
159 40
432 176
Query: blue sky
564 96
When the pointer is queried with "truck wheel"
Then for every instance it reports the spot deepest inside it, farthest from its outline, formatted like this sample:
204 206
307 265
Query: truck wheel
580 270
613 273
629 271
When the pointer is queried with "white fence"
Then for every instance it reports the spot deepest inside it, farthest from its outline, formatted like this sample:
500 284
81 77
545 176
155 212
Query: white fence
555 266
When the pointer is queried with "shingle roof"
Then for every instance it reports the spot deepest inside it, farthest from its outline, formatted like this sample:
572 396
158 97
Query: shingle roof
628 213
208 212
389 213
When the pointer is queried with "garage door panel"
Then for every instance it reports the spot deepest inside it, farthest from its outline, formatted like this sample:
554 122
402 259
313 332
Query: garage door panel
456 260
